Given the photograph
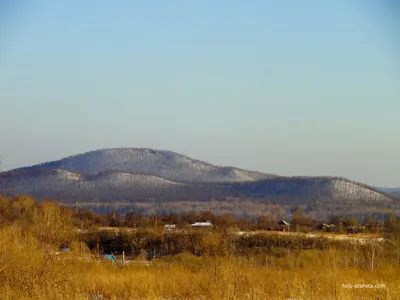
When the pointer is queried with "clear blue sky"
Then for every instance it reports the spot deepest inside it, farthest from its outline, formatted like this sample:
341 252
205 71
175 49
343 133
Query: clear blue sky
286 87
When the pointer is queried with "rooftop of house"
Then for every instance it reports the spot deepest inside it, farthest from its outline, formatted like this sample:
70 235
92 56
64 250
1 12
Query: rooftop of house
200 224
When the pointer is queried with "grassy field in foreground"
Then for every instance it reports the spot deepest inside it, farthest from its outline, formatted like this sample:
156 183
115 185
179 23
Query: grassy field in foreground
189 265
30 270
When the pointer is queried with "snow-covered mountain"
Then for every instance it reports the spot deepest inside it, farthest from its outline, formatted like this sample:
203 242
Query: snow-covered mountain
130 175
164 164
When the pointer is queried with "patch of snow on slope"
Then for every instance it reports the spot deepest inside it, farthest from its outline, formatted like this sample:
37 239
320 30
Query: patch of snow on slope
165 164
66 175
240 176
349 190
118 179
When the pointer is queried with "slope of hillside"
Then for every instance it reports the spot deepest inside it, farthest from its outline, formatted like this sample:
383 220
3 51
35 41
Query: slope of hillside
133 175
391 191
164 164
130 187
313 190
68 187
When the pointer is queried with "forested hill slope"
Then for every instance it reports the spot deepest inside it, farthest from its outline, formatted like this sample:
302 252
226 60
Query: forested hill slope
132 175
165 164
391 191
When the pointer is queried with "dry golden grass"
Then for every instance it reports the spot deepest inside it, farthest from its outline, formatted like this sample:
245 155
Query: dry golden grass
32 268
219 278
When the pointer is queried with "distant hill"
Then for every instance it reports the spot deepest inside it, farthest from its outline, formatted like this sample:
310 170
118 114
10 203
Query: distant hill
165 164
391 191
130 176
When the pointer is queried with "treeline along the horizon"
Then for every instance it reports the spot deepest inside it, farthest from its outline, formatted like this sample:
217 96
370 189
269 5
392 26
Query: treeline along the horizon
24 207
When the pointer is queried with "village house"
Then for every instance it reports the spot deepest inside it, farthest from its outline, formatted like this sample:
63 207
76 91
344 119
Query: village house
202 224
355 229
283 225
325 227
169 226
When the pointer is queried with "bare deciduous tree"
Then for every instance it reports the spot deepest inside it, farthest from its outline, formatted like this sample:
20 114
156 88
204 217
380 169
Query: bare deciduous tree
5 187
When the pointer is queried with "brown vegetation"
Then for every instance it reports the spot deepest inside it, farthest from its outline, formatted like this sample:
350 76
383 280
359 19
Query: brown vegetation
184 264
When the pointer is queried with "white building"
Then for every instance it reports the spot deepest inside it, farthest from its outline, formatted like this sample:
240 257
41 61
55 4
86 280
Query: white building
169 226
202 224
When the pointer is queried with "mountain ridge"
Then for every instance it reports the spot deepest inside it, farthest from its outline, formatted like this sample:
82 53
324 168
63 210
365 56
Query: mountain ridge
131 175
391 191
165 164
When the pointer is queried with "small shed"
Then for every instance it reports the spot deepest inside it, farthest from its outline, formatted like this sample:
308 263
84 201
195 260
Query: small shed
110 257
325 226
355 229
